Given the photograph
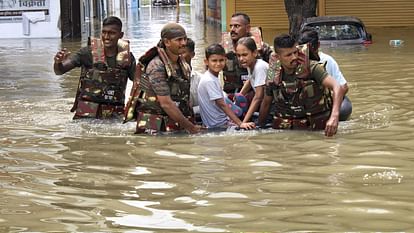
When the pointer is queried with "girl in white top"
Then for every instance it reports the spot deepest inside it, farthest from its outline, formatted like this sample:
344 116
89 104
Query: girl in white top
246 51
214 111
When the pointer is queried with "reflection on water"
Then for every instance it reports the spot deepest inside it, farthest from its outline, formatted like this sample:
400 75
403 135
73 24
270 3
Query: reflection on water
97 176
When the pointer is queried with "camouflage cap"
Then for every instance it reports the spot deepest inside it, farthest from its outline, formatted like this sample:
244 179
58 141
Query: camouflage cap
172 30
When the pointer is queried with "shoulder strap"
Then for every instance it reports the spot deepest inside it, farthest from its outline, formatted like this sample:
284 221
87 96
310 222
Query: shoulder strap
274 72
98 54
123 58
303 69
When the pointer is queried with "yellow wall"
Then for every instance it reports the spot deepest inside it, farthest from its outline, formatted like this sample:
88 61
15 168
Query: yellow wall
272 14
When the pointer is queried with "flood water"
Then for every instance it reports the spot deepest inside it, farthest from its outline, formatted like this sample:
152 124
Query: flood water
59 175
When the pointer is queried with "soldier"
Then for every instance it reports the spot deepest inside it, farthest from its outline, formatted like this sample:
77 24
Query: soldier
106 64
310 35
160 101
300 90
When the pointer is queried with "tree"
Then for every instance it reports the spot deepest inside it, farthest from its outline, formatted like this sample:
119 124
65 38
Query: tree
297 10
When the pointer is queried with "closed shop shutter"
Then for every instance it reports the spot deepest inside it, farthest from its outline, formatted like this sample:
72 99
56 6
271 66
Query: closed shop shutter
383 13
267 14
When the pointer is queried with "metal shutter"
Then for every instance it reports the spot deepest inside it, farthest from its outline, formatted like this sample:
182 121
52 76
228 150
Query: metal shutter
381 13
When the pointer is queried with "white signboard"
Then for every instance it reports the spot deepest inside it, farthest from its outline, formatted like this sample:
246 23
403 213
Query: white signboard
10 9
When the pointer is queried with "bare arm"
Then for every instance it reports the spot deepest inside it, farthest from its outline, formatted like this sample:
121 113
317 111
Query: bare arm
169 106
345 88
62 64
337 96
246 87
245 125
264 109
254 106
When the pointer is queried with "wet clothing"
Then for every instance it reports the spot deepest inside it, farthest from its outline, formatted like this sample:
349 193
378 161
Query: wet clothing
160 78
102 84
300 102
333 69
209 90
195 80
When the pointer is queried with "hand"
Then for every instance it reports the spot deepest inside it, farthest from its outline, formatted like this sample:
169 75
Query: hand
61 55
247 125
195 129
331 126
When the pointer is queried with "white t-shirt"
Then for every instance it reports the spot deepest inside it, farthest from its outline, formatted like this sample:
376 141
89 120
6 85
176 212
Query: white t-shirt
209 90
195 80
257 76
332 68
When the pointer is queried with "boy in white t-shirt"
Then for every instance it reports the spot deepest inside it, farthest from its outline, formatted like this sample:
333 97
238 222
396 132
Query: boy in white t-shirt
214 111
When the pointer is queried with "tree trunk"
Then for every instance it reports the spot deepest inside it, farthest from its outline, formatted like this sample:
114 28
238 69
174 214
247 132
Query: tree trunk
297 10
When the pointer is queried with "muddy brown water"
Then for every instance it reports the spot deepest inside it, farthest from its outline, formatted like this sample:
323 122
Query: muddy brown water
59 175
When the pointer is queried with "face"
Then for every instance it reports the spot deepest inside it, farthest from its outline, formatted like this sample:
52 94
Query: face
215 63
288 57
188 55
238 28
110 35
177 45
246 57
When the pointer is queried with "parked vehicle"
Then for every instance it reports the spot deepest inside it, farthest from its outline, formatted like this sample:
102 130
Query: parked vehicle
339 29
164 2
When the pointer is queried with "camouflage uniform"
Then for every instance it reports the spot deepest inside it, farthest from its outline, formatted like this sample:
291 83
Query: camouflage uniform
159 78
300 99
102 83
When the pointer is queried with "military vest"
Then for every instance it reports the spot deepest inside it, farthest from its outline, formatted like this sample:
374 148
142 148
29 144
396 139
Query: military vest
178 83
299 101
143 105
101 88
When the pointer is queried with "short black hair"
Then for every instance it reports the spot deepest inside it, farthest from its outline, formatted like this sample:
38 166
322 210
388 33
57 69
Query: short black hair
309 35
244 15
112 20
284 41
190 45
215 49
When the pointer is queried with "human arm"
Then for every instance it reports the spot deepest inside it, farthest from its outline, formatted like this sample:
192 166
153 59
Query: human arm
258 82
333 69
61 63
132 68
223 106
157 76
337 97
264 109
255 104
169 106
344 88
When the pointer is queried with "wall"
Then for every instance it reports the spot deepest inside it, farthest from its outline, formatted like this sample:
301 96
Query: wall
374 13
42 29
384 13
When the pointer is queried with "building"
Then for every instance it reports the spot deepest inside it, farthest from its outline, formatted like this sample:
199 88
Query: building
56 18
374 13
29 18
